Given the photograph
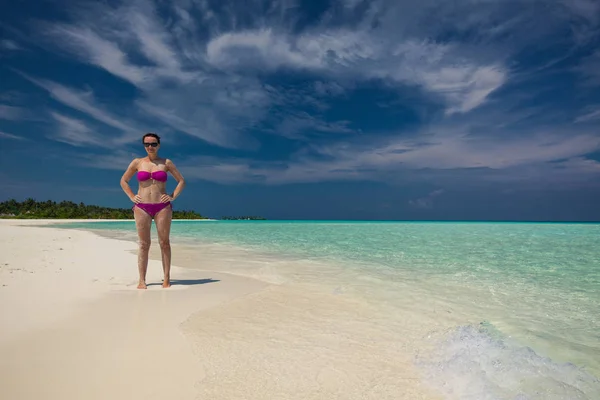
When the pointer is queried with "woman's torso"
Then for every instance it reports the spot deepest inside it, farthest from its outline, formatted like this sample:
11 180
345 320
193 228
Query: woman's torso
150 176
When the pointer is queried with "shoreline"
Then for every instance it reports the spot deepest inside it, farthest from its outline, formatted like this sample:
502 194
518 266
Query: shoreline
436 306
220 335
280 311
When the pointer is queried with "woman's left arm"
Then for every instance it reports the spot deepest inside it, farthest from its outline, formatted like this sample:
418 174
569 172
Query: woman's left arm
178 177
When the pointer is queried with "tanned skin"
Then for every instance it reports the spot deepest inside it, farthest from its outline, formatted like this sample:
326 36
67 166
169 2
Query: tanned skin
152 191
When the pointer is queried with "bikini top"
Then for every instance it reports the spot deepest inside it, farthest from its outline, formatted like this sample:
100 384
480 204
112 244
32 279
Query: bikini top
156 175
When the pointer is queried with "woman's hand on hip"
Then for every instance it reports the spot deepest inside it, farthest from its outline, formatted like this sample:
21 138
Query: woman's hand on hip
136 199
165 198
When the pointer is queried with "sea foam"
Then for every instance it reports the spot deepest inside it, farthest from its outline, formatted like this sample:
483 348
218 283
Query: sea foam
477 363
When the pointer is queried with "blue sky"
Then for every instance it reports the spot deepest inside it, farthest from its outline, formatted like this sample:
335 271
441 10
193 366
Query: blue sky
346 109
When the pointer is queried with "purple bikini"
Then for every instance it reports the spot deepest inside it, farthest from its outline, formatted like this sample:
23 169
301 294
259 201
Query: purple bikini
156 175
152 208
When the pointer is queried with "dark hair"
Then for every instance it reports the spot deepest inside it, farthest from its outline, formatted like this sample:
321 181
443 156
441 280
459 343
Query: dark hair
154 135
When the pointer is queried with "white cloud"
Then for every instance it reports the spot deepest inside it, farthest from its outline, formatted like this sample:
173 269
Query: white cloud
173 64
217 110
463 82
304 126
131 43
199 72
5 135
11 113
256 49
104 53
590 114
222 171
584 10
426 201
460 150
17 113
117 160
9 45
82 101
542 157
76 133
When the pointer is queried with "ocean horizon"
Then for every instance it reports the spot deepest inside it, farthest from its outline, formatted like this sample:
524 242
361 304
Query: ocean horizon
487 309
214 219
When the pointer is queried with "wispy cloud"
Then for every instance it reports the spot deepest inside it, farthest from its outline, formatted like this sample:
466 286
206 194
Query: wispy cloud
591 113
462 81
426 201
226 171
429 157
9 45
5 135
75 132
98 51
587 11
206 86
23 190
393 41
19 113
304 126
216 72
116 160
84 102
458 151
173 90
216 111
11 113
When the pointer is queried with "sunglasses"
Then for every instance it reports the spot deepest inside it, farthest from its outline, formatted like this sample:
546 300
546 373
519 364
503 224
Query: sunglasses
153 144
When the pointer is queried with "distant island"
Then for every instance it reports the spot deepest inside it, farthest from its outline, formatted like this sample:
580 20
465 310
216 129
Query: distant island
32 209
243 218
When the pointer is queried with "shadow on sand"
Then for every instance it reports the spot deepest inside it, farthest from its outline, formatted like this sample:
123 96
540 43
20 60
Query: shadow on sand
186 282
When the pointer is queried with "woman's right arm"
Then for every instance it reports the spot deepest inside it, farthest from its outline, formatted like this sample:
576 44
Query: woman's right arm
131 169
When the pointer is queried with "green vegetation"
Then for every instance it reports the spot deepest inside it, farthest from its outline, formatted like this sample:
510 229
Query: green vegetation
32 209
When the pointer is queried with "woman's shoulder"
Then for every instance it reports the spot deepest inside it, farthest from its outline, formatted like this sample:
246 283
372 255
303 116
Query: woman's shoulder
135 162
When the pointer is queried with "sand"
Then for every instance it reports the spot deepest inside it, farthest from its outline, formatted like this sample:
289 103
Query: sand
74 326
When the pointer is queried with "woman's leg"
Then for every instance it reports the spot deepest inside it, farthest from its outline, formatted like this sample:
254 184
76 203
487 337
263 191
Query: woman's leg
163 227
143 223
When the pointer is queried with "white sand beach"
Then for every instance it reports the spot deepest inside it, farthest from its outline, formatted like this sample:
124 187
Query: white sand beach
74 326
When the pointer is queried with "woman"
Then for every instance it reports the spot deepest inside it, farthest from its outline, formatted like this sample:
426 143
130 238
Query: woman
152 202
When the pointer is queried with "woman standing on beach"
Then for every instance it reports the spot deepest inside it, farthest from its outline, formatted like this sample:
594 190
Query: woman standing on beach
152 202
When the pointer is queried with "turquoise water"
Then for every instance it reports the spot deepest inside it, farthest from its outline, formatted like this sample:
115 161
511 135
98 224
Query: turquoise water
529 292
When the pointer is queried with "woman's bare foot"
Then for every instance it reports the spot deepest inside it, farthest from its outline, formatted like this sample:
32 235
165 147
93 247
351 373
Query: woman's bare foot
142 285
166 283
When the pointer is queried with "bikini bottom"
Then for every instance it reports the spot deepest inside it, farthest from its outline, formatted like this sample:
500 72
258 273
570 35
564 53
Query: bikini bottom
152 208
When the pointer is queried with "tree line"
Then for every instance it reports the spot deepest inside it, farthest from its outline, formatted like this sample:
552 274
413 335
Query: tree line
32 209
